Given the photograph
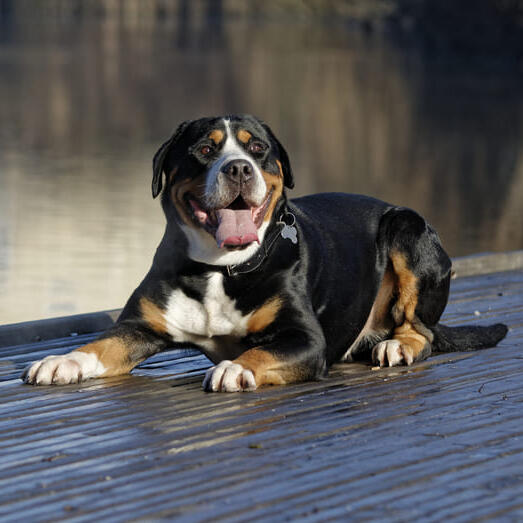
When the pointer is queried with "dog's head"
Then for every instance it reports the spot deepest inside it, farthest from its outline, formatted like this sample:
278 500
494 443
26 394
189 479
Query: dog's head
223 179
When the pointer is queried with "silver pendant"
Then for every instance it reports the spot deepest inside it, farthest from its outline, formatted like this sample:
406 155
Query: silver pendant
288 231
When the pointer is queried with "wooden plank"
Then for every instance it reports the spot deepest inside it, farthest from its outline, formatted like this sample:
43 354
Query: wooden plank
440 440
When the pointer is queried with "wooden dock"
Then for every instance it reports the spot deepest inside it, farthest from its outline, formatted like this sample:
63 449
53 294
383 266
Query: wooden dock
441 440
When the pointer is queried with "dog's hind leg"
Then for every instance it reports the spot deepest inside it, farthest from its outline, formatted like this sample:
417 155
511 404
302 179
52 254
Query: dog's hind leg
421 271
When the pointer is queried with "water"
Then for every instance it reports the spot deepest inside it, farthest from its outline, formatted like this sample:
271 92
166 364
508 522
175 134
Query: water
86 101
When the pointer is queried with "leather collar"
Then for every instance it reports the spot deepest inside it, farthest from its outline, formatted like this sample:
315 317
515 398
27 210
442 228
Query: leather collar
257 259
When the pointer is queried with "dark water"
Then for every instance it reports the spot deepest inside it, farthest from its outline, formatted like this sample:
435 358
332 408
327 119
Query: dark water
85 102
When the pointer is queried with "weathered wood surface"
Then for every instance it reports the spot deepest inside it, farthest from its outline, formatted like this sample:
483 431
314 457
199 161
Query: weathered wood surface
440 440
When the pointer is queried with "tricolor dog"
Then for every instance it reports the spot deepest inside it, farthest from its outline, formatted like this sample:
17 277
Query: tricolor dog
271 290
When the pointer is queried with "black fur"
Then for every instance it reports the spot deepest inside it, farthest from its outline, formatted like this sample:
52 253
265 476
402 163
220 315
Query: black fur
159 158
474 337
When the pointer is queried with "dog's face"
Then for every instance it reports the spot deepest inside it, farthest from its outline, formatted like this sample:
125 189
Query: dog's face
224 177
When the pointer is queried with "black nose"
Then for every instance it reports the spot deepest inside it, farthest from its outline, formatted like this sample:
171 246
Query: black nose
238 170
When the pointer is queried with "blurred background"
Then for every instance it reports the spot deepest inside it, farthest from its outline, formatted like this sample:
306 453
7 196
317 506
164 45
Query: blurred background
417 102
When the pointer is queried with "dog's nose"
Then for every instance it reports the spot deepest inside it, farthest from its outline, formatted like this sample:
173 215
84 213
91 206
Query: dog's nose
238 170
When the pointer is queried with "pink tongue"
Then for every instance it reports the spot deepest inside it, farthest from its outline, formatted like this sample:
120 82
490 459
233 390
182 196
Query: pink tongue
235 227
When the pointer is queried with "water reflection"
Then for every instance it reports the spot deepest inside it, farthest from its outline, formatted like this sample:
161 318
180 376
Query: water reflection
84 103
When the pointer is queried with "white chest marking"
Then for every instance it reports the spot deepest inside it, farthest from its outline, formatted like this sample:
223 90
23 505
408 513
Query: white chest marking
189 320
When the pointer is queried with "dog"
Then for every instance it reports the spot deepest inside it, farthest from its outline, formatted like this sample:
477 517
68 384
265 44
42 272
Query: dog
273 291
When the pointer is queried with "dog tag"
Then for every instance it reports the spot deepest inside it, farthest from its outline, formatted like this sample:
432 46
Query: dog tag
289 233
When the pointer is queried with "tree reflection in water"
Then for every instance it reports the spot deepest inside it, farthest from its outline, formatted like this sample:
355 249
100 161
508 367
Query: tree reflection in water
85 100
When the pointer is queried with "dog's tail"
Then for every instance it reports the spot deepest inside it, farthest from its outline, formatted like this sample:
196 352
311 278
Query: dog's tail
454 339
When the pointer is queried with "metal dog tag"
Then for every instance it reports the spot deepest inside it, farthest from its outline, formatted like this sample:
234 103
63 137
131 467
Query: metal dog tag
289 233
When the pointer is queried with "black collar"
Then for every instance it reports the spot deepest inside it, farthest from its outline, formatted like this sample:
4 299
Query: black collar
270 239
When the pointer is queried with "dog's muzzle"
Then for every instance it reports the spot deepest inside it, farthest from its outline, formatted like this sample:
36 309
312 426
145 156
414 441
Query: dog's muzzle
235 202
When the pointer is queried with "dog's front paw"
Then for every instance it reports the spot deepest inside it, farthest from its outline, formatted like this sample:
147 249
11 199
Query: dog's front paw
228 376
392 353
61 370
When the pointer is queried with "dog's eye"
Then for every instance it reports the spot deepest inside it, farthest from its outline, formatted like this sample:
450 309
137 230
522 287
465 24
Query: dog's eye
256 147
205 150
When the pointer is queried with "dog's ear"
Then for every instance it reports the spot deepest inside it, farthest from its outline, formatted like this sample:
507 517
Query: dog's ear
288 178
160 155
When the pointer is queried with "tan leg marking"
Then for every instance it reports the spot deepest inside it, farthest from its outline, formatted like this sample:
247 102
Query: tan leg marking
413 344
411 340
381 308
379 322
243 136
407 286
404 310
265 315
113 354
253 369
102 358
153 316
267 369
216 136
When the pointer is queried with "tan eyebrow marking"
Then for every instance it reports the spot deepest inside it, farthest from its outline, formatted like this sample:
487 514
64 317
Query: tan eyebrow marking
216 136
243 135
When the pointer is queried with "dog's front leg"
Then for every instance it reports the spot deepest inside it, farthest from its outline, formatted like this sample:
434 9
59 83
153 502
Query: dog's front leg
298 357
117 352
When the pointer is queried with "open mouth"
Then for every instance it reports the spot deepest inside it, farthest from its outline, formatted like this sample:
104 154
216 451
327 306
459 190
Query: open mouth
234 226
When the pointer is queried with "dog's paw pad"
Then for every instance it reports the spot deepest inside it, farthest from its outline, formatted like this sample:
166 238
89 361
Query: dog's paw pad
228 376
391 353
